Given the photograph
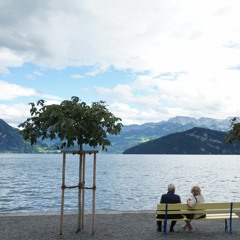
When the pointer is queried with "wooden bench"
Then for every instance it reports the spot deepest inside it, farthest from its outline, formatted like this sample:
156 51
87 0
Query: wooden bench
214 211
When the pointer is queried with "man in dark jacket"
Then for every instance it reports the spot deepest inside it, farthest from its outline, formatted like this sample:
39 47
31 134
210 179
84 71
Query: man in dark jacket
169 197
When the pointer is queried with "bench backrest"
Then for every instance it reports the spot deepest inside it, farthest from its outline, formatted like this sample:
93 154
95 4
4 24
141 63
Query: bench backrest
181 208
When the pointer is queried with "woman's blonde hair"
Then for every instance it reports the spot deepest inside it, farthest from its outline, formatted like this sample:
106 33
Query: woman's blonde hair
196 190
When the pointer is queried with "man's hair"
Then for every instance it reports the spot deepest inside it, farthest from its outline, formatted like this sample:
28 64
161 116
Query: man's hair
171 188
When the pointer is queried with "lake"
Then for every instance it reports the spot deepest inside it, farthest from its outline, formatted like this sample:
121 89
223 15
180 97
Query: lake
32 182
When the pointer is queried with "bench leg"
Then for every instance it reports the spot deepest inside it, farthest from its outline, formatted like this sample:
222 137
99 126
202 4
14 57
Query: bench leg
226 225
230 228
165 228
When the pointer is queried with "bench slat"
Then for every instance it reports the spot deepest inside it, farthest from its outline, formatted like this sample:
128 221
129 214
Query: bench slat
199 211
208 217
183 206
221 216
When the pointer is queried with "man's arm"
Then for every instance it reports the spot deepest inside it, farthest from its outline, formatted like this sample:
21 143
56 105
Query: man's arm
162 199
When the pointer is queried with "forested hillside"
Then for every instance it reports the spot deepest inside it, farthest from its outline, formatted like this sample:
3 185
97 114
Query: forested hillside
193 141
12 141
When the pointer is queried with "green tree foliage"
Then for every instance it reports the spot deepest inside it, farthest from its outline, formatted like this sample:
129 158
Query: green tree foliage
234 133
72 122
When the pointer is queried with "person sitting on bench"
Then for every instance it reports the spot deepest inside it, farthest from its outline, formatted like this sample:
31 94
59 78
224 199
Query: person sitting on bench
169 197
191 202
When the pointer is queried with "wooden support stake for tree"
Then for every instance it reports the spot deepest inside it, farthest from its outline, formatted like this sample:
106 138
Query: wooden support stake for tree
63 188
93 194
80 192
81 188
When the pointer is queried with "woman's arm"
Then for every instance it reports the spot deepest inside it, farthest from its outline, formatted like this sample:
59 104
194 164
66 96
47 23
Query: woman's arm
191 202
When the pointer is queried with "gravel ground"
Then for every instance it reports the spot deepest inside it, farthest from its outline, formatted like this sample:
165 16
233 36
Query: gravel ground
124 226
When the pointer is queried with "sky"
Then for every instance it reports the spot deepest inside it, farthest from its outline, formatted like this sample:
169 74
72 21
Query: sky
149 60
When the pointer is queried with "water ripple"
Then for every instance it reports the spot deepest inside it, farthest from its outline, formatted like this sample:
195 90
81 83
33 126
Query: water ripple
32 182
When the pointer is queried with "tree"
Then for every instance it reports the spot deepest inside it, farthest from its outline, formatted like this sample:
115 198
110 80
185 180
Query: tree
234 133
72 122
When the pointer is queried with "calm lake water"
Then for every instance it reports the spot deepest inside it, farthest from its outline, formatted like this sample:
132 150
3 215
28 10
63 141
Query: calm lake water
32 182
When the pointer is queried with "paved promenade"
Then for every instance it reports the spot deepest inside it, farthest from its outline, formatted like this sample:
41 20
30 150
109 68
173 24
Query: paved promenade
109 226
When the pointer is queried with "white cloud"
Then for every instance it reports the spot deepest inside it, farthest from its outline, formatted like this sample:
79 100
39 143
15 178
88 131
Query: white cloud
140 35
38 73
14 114
77 76
131 115
188 50
10 91
9 58
120 92
188 95
50 99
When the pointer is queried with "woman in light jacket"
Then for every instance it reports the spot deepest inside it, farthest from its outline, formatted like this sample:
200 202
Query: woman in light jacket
191 202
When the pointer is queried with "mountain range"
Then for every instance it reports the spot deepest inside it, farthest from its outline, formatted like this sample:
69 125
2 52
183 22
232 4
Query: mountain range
194 141
130 136
133 135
